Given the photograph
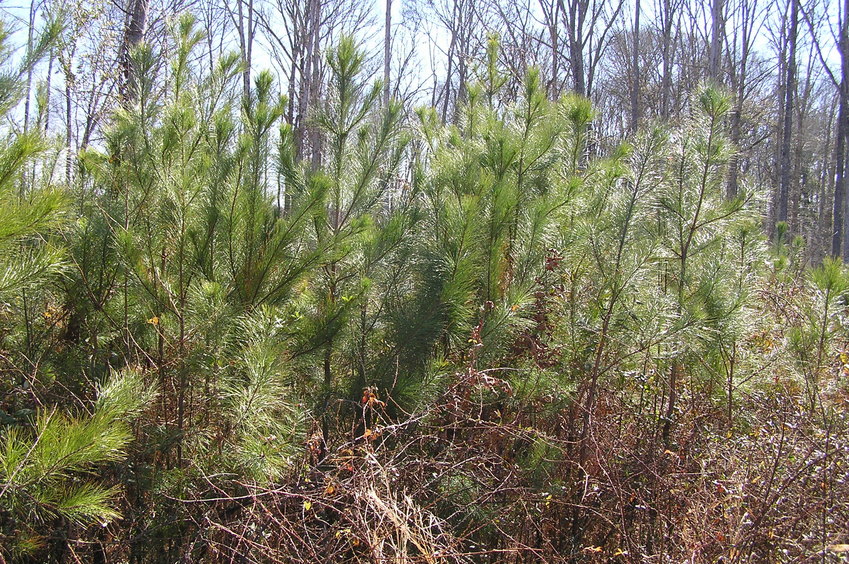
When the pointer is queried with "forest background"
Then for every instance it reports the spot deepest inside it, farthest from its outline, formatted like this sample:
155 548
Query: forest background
449 281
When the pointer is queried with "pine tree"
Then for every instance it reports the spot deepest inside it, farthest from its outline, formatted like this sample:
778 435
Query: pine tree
491 191
361 237
46 453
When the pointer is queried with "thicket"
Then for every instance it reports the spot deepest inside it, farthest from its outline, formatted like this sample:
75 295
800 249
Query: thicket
480 342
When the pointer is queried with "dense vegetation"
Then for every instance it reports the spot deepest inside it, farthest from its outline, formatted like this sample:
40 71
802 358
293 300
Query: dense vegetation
470 342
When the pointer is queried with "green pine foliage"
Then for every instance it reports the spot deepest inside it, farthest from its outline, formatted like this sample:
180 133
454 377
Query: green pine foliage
492 193
45 470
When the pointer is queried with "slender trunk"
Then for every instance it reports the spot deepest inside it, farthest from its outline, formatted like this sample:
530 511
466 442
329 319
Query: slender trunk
304 62
69 137
28 178
132 37
315 80
462 74
554 88
666 73
293 71
246 80
577 12
447 100
739 77
452 47
245 29
716 39
730 386
800 173
841 202
387 45
825 192
250 43
635 71
674 372
785 161
688 236
209 40
32 11
47 88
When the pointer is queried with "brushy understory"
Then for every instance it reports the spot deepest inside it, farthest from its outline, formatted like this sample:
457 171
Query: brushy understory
480 342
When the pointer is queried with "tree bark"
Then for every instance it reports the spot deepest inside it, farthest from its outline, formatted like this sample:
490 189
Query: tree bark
30 38
785 158
666 73
575 25
841 203
69 137
635 70
387 54
246 39
552 12
716 39
133 35
315 79
739 76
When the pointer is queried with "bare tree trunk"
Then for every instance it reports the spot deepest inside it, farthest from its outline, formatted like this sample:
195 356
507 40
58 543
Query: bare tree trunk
800 186
552 12
716 39
452 46
133 35
739 76
293 72
303 92
841 202
387 54
785 158
305 60
28 177
47 89
462 71
635 70
575 25
666 73
249 58
32 11
69 138
315 79
246 28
